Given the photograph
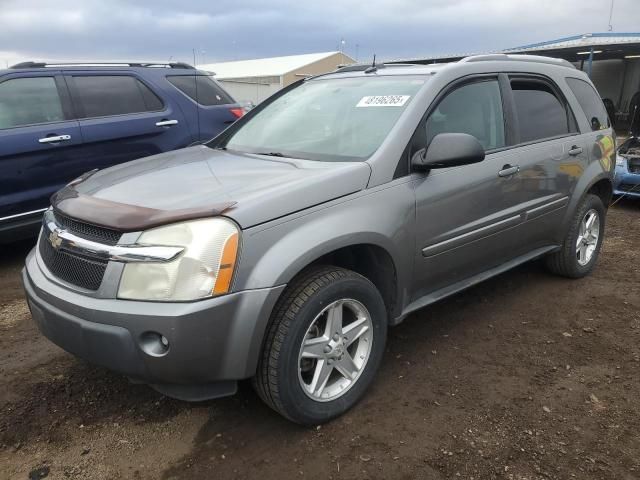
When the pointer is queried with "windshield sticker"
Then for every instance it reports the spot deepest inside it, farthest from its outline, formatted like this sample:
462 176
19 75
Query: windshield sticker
383 101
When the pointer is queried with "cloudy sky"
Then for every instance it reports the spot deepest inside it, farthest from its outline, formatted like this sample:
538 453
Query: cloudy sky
238 29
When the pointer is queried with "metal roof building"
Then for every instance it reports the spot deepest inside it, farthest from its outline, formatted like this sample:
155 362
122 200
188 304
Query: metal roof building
611 59
254 80
605 46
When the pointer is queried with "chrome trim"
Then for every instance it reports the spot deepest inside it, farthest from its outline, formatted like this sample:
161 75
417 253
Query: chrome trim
547 207
471 236
166 123
56 139
62 239
40 210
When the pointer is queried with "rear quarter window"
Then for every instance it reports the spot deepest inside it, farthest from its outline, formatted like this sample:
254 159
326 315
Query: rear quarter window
201 89
590 103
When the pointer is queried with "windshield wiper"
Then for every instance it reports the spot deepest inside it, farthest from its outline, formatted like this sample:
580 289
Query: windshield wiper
270 154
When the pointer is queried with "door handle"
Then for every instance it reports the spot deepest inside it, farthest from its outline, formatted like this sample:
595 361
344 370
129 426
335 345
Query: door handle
575 150
509 170
166 123
55 139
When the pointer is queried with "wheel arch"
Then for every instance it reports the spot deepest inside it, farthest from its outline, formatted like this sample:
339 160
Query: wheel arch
372 262
603 188
366 253
368 258
600 184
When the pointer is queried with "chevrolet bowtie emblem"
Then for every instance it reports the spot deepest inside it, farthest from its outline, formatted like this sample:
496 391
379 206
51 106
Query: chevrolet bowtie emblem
55 240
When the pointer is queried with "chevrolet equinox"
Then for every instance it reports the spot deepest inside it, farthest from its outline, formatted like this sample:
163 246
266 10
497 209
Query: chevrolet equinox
283 249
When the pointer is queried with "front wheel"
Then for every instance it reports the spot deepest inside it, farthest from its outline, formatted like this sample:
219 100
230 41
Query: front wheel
324 345
581 246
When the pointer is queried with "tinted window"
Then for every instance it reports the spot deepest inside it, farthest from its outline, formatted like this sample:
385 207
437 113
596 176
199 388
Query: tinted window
540 113
28 101
590 102
475 109
101 96
204 92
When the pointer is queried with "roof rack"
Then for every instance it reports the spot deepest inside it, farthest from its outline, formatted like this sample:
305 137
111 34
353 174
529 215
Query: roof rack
102 64
359 67
502 57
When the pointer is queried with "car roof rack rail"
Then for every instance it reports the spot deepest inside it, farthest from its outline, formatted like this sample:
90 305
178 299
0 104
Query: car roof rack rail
359 67
504 57
102 64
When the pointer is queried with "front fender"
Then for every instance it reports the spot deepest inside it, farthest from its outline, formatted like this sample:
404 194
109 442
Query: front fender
272 254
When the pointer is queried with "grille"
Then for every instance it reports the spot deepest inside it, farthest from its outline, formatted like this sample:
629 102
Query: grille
105 236
75 269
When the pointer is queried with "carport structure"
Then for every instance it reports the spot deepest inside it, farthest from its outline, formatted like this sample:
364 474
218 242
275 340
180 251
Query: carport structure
611 59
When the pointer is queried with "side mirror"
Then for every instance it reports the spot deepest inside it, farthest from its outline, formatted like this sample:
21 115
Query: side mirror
449 150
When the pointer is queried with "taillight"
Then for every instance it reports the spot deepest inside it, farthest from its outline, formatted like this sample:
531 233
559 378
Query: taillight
237 112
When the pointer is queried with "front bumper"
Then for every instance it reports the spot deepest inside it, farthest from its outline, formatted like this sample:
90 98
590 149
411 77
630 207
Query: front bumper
212 343
624 181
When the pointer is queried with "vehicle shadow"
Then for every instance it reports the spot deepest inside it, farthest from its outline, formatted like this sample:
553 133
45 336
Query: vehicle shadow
12 256
14 253
243 427
626 203
81 393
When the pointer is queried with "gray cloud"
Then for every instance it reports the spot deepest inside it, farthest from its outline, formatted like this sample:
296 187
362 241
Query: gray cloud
225 29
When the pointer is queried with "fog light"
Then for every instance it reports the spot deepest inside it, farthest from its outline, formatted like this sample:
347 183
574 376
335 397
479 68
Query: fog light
154 344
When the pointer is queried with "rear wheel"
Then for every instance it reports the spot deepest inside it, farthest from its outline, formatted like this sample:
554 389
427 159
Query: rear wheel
324 345
581 247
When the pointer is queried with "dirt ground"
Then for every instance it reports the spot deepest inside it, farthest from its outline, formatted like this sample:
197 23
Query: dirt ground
527 376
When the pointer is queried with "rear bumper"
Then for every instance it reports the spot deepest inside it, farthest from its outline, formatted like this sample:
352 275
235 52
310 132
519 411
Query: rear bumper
212 343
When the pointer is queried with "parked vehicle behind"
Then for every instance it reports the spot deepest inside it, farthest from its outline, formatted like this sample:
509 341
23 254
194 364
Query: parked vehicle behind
627 177
284 248
59 121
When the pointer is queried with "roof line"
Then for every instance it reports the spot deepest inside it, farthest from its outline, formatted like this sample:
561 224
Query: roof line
576 37
278 71
329 54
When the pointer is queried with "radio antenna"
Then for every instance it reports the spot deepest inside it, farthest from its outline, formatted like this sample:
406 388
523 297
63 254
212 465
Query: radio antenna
373 67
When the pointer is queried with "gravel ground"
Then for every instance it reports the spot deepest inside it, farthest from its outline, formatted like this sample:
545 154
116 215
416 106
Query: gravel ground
527 376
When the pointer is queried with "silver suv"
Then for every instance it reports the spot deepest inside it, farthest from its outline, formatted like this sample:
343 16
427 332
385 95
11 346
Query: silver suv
283 249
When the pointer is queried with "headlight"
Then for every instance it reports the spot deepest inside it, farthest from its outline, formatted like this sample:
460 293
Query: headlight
620 161
204 269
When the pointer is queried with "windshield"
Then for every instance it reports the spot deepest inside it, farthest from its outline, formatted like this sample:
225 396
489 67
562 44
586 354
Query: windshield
338 120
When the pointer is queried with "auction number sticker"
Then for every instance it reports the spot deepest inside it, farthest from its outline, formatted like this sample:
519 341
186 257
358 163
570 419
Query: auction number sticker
383 101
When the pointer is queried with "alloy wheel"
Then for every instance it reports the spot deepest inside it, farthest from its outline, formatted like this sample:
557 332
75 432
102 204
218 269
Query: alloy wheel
335 350
588 235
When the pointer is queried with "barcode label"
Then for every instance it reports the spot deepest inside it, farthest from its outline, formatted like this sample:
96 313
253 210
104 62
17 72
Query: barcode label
383 101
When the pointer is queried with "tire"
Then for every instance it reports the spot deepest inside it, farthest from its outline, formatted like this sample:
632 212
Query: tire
284 380
566 262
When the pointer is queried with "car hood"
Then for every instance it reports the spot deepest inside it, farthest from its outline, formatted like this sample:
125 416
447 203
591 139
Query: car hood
183 184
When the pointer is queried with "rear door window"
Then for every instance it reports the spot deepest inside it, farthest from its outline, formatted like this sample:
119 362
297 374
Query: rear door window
201 89
590 103
540 113
102 96
29 101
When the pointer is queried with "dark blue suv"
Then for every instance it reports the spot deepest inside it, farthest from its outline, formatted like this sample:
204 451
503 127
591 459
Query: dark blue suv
58 121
